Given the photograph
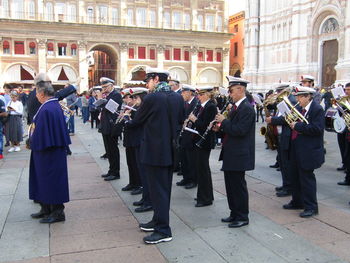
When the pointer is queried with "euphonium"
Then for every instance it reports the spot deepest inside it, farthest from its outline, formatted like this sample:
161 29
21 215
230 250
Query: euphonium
294 115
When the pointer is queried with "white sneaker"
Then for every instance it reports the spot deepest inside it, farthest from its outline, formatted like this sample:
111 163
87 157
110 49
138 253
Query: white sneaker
12 149
17 149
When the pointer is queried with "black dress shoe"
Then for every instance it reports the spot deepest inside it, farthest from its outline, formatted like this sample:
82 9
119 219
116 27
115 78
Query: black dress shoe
341 168
190 185
181 183
112 177
143 208
105 175
345 182
199 204
53 218
136 191
236 224
40 214
308 213
104 156
283 193
179 173
278 169
276 165
229 219
278 188
148 227
138 203
129 187
292 206
156 238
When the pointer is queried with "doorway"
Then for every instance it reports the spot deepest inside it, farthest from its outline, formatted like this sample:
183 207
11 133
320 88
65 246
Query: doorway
329 61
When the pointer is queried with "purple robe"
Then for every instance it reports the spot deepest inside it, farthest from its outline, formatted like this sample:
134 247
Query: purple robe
48 173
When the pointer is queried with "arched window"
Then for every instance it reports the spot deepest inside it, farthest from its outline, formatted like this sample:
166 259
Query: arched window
219 24
50 49
166 22
49 12
130 21
90 14
200 23
177 20
152 18
114 18
187 21
141 17
5 8
6 47
31 9
73 49
72 13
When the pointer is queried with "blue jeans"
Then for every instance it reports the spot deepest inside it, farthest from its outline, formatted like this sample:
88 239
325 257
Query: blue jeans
85 113
71 124
1 137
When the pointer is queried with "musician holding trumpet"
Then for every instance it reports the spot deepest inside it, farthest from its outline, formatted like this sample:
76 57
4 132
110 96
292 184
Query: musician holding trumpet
238 151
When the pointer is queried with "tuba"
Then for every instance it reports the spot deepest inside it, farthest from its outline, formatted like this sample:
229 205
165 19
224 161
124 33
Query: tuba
268 131
293 115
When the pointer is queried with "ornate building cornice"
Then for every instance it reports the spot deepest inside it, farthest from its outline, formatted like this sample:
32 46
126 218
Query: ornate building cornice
41 42
123 46
82 44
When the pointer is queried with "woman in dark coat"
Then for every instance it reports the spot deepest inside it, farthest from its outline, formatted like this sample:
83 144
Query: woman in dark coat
48 173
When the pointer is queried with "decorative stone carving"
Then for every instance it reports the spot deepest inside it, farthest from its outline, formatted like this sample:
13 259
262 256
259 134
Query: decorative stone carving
194 50
160 48
226 51
41 42
123 46
82 44
329 26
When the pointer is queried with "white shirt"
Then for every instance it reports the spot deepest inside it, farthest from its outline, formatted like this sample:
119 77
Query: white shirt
307 108
240 101
190 101
17 106
203 104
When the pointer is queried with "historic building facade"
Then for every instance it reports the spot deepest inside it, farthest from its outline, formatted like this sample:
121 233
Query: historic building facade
236 27
287 38
116 38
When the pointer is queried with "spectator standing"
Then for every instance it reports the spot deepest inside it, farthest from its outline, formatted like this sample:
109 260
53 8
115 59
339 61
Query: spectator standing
14 127
94 112
85 106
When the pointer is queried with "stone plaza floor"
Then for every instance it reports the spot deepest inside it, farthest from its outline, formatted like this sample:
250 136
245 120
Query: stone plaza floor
101 225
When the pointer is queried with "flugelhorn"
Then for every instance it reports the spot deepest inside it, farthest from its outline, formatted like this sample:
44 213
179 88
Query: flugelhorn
343 105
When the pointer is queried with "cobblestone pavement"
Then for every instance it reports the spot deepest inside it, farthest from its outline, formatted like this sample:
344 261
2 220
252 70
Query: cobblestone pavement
101 226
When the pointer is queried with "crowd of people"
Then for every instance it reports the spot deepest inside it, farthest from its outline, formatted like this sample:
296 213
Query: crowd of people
168 127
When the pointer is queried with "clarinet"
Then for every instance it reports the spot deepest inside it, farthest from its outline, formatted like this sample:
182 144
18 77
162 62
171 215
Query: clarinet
188 118
210 126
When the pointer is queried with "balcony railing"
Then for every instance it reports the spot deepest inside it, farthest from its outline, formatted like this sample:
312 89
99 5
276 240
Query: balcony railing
98 20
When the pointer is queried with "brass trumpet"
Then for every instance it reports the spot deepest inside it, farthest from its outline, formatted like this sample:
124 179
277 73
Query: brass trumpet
343 104
294 115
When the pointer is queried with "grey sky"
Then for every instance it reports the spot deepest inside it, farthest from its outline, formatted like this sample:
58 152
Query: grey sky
236 6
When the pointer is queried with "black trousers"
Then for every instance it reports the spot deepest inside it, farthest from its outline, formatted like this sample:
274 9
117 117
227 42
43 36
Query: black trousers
283 161
112 150
237 194
259 111
347 159
205 184
52 208
159 181
188 165
94 117
342 145
303 183
134 176
145 189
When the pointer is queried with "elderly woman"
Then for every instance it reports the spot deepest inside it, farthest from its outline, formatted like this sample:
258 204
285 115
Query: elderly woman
48 175
14 128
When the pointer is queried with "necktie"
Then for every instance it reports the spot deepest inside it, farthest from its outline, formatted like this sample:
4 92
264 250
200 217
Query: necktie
294 132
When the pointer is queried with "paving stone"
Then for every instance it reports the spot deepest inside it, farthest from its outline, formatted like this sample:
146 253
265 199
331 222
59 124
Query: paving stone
136 253
90 191
340 248
9 179
5 204
33 260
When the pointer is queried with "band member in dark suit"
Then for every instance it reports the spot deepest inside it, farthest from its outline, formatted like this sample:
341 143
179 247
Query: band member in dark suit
238 151
343 141
109 130
306 153
186 140
201 119
156 152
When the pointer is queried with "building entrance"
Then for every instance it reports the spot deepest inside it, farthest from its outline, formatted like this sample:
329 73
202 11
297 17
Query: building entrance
329 61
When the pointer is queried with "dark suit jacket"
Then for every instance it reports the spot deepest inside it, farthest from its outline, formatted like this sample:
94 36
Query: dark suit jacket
206 115
108 118
186 140
238 153
284 143
132 136
156 143
309 142
176 104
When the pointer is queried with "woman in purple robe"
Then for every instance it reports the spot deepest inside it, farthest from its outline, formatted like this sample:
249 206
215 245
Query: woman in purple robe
48 173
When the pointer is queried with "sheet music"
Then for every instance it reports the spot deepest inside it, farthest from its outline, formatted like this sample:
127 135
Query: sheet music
223 91
338 92
99 102
283 108
191 130
112 106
